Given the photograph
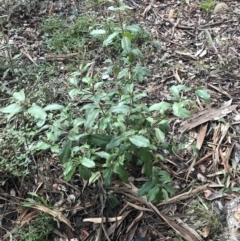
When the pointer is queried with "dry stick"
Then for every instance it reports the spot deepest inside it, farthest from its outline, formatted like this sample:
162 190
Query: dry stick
8 48
212 43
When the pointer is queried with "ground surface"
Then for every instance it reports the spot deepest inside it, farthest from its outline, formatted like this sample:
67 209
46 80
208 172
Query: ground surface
192 46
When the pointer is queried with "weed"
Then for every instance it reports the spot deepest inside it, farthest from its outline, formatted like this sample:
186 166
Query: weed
205 216
63 35
207 5
36 230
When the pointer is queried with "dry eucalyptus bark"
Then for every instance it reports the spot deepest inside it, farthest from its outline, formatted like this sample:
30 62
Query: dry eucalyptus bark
231 224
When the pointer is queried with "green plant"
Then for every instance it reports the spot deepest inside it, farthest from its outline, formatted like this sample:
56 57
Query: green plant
64 35
204 216
106 126
207 5
116 127
37 229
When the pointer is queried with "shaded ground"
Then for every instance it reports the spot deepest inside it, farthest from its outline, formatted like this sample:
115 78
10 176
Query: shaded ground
185 45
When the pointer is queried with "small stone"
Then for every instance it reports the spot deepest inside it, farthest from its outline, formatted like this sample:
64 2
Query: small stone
220 8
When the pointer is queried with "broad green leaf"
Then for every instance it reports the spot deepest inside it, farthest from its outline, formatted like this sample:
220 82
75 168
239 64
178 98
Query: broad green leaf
74 137
115 142
175 90
123 73
126 44
84 172
161 107
129 88
77 122
111 8
139 141
160 135
112 201
87 80
202 93
99 139
169 189
144 154
153 193
98 32
165 194
138 53
91 117
179 111
145 188
19 95
65 153
120 108
128 35
54 149
89 106
142 71
87 162
94 177
148 168
38 113
74 78
110 38
69 169
102 154
164 126
107 176
41 145
131 57
137 97
97 85
162 175
72 93
121 8
53 107
134 28
12 110
120 170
